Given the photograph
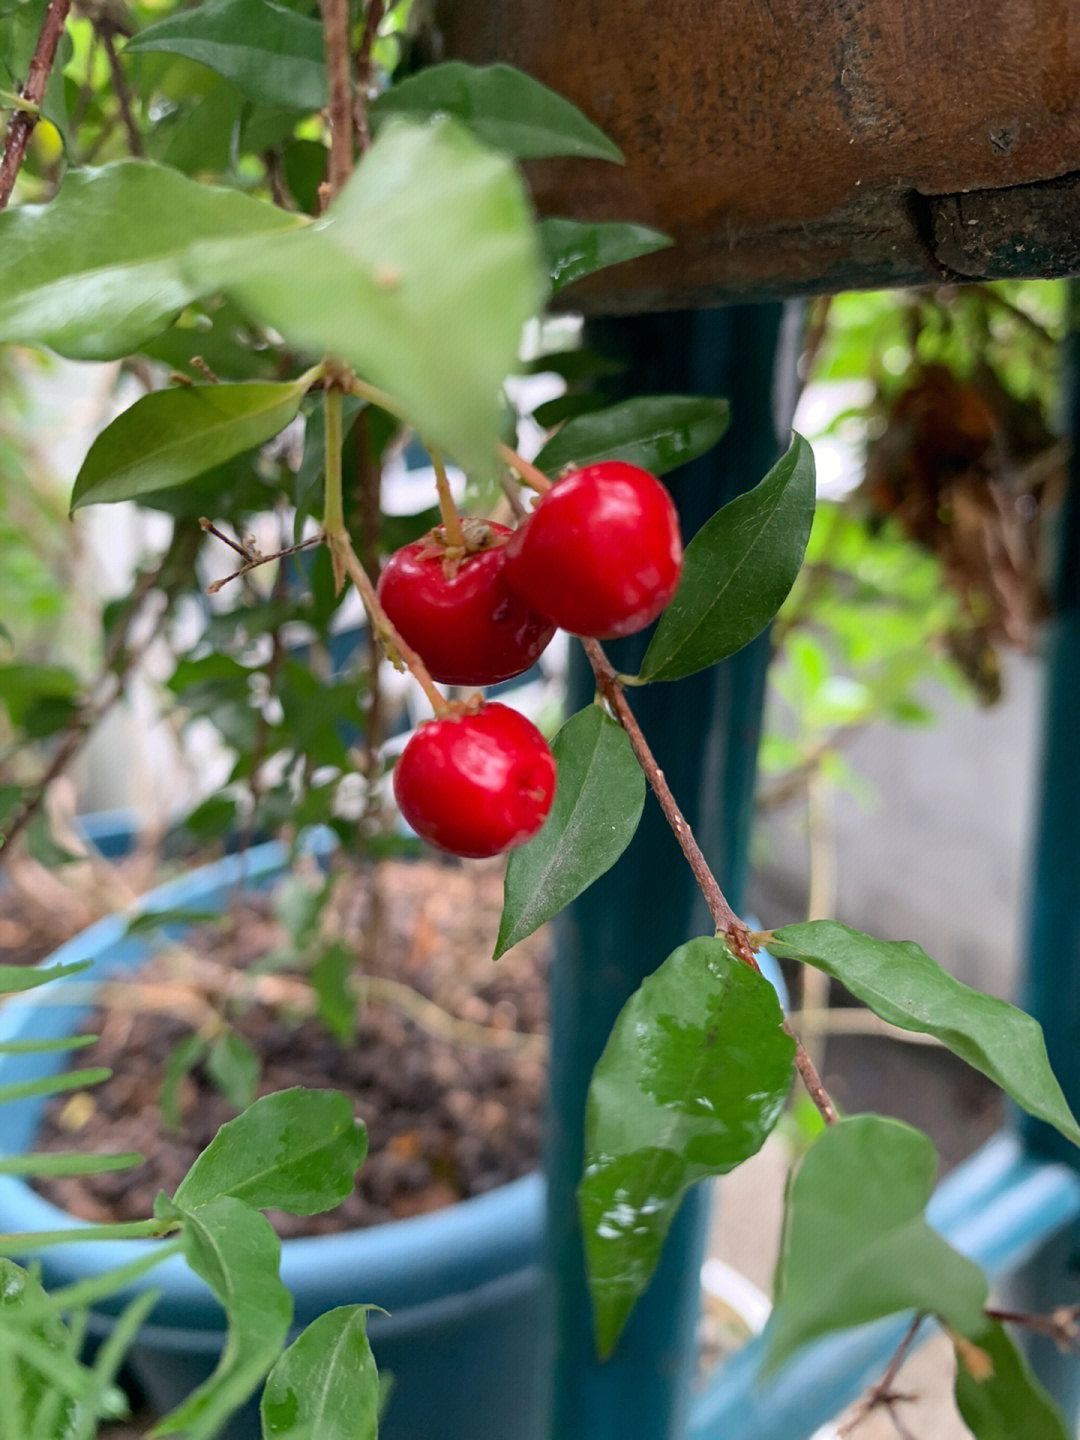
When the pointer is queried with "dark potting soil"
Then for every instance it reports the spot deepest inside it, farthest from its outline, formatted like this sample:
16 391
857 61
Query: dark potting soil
447 1068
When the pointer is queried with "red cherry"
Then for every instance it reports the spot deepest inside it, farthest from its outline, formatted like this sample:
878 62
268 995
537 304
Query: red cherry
476 783
601 554
467 626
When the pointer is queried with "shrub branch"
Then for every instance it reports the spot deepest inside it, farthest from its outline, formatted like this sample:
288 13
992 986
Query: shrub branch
33 92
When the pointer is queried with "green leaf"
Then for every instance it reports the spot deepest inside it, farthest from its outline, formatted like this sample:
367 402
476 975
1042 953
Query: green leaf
74 279
902 985
271 53
501 106
856 1244
234 1068
75 1164
325 1386
27 977
46 1047
691 1081
297 1150
330 979
736 571
148 921
232 1247
185 1055
575 248
53 1084
174 435
1004 1400
597 807
657 432
24 687
369 282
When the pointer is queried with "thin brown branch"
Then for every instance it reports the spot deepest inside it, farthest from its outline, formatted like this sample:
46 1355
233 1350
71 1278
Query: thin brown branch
335 16
364 77
883 1395
1062 1325
33 92
254 561
727 922
107 33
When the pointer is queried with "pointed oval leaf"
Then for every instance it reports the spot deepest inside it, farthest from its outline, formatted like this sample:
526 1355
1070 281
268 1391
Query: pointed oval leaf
296 1150
691 1081
271 53
657 432
902 985
233 1248
502 106
596 810
172 436
370 284
325 1386
856 1243
575 248
73 279
737 571
234 1068
1003 1400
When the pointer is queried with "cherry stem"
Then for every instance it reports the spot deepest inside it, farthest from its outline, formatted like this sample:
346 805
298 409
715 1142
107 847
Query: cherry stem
727 922
526 472
448 510
25 117
346 562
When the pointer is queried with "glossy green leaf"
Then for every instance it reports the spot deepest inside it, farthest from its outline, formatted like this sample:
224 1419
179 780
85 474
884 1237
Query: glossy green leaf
234 1068
657 432
1003 1400
296 1150
736 571
691 1081
61 1164
268 51
27 977
325 1386
575 248
902 985
73 279
596 810
370 284
501 106
856 1244
233 1248
172 436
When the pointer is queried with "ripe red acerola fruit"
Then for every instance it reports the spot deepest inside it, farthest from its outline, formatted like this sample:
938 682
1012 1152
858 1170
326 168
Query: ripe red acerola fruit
476 783
464 622
601 554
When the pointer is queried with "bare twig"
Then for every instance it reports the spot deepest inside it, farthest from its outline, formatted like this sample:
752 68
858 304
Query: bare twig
1062 1325
335 16
727 922
883 1396
364 84
107 33
33 92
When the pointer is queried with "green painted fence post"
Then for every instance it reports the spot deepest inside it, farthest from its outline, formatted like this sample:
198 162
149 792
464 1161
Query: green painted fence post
705 732
1051 945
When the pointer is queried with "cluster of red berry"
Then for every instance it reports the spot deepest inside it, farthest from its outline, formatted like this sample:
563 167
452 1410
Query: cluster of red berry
600 556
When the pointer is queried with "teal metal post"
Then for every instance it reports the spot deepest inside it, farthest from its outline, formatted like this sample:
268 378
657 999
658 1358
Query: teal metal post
1052 944
705 732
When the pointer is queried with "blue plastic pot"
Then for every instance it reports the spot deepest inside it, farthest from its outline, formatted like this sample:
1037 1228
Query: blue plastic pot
463 1337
